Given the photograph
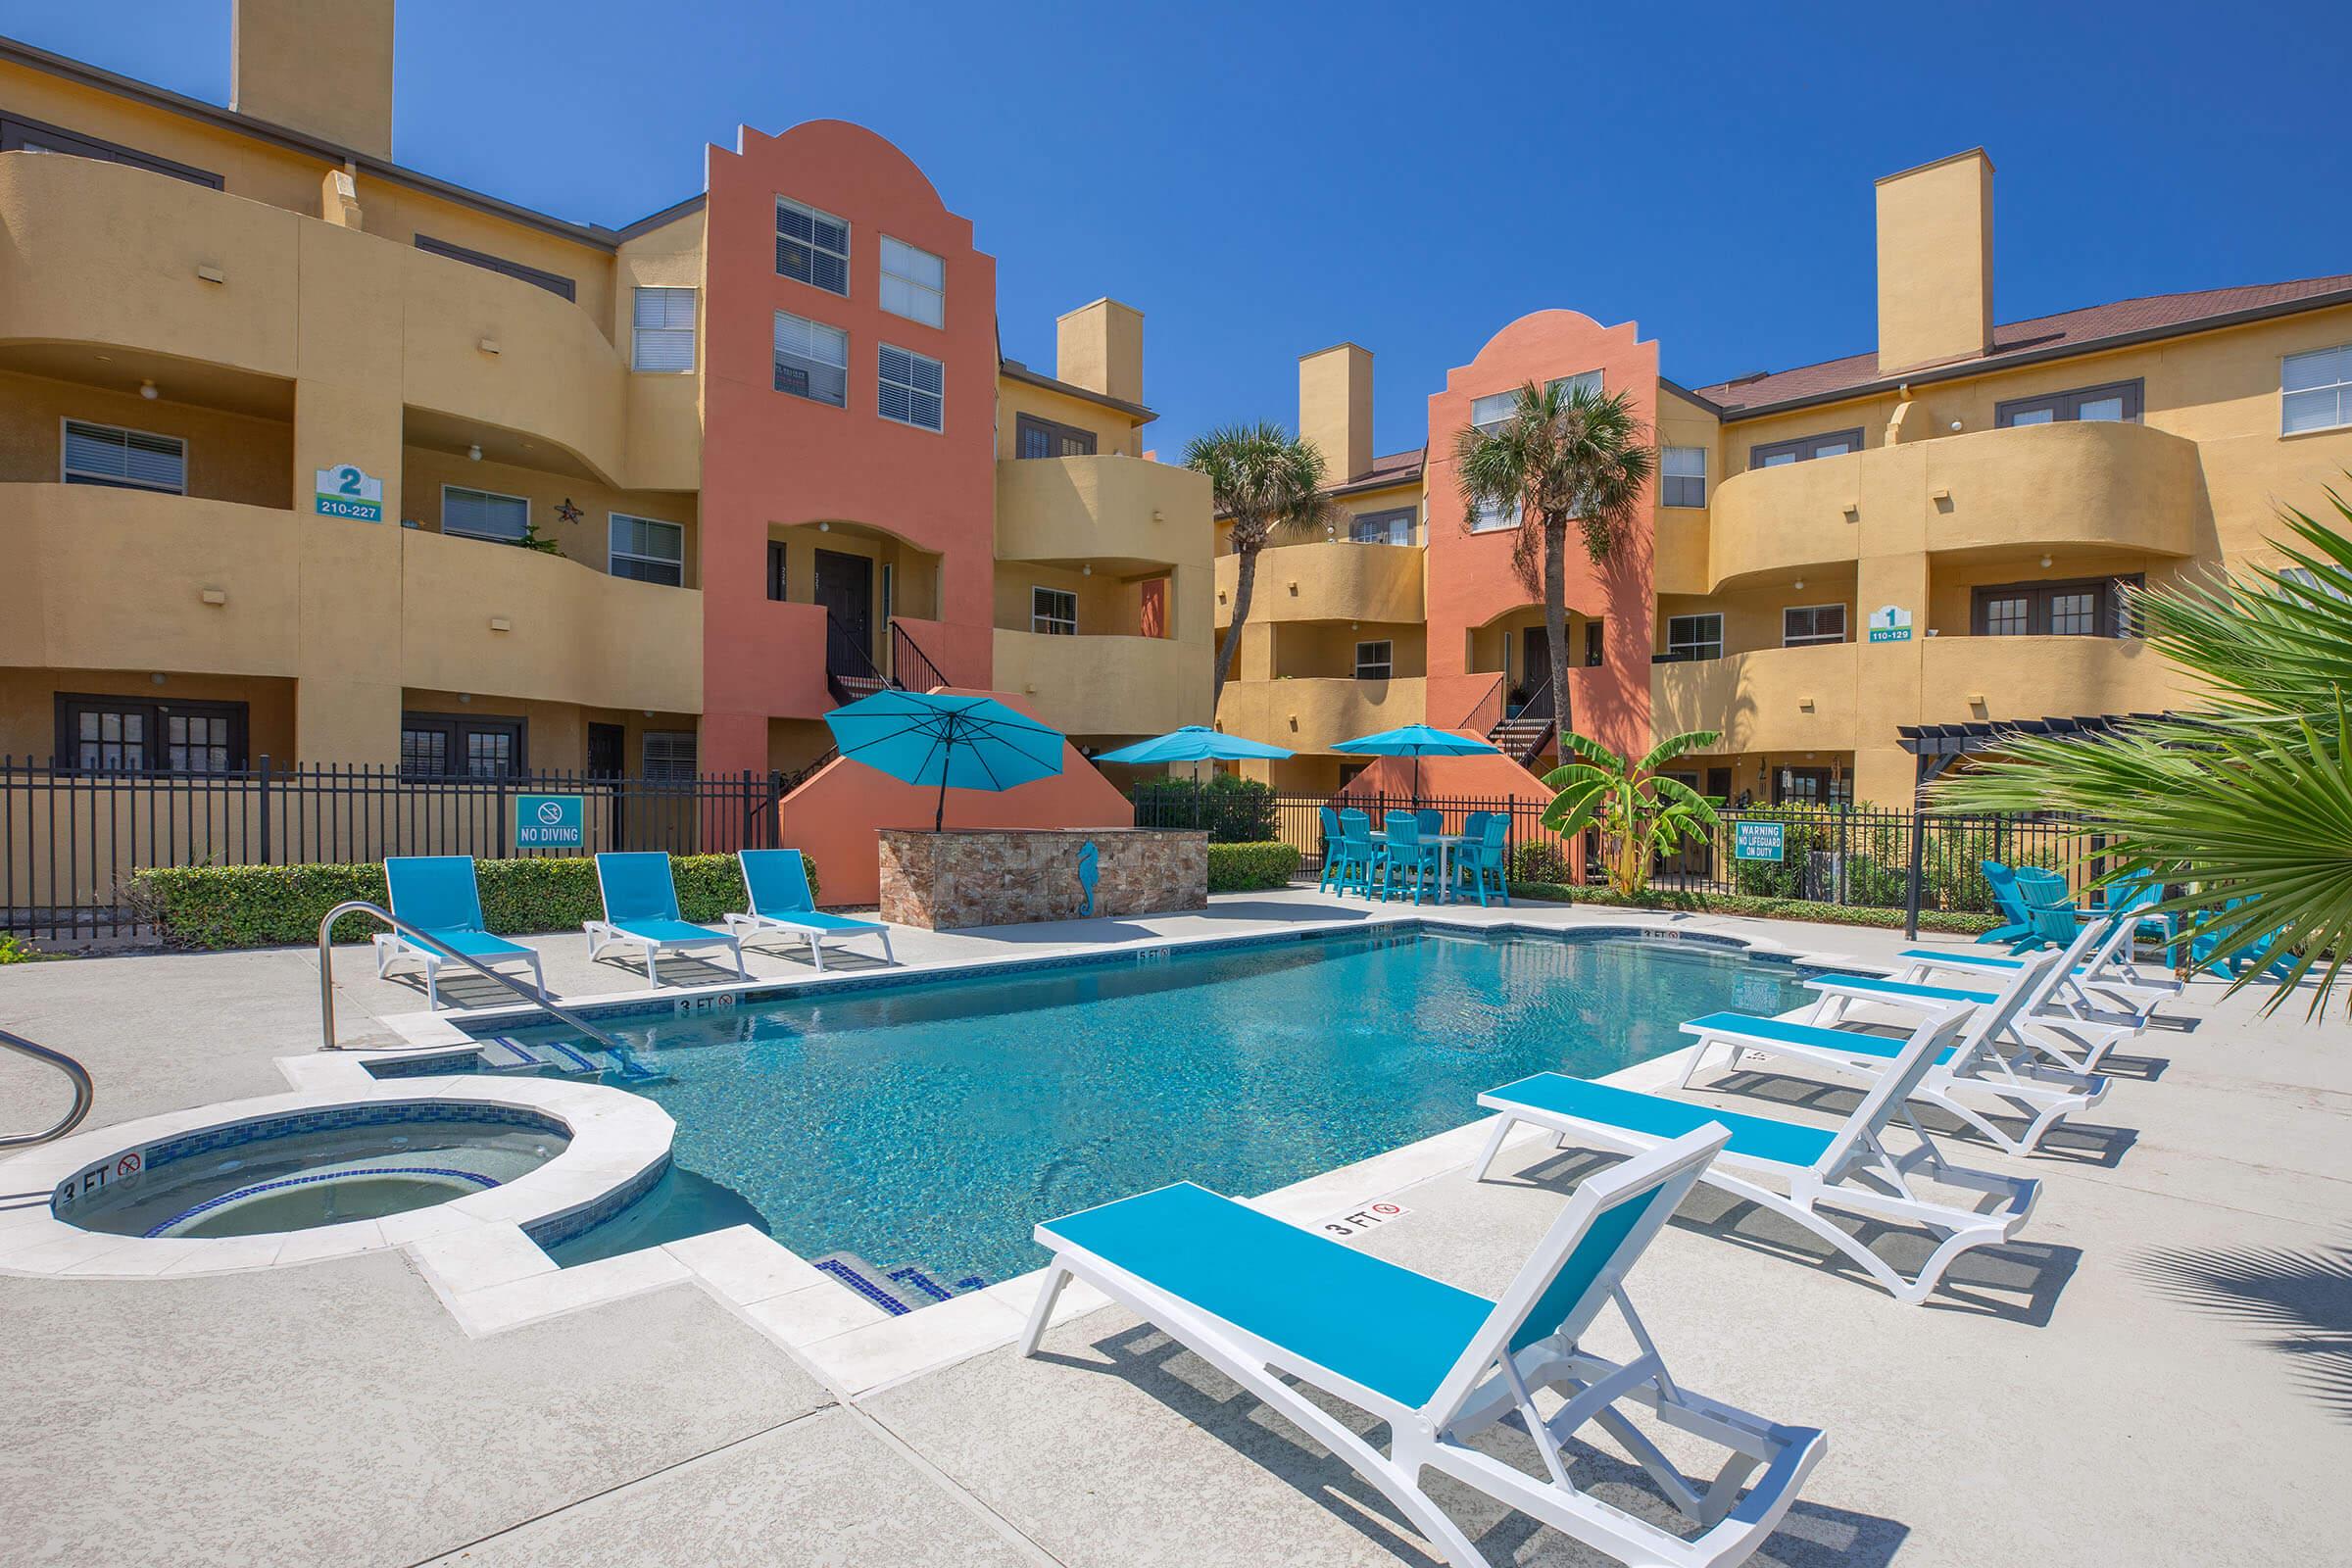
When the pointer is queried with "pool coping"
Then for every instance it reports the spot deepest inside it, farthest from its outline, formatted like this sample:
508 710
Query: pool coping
619 1141
491 1276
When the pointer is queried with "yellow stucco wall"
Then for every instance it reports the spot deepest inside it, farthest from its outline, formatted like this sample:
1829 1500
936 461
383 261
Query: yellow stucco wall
1106 686
1311 716
1335 581
1115 432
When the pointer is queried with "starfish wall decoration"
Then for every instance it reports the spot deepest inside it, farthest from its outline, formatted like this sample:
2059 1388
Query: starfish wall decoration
567 511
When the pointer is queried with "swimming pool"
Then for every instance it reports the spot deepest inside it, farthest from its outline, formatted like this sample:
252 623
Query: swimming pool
930 1124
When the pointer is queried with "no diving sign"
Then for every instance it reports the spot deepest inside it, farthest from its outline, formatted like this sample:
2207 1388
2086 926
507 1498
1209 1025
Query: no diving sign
1357 1221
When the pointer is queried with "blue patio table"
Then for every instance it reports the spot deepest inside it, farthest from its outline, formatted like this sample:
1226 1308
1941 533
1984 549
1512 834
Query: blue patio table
1446 843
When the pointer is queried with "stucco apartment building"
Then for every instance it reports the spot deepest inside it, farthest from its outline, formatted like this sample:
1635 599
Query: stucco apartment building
277 412
1929 533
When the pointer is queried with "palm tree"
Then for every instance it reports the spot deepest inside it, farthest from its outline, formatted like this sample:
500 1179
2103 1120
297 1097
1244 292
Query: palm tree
2249 798
1267 481
1641 811
1564 454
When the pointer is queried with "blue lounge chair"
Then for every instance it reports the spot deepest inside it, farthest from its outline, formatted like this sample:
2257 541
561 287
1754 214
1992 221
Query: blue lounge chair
2006 1064
1408 857
1276 1307
437 895
1812 1176
641 906
778 885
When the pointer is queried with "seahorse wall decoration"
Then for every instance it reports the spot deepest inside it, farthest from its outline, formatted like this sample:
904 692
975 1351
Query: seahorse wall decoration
1085 876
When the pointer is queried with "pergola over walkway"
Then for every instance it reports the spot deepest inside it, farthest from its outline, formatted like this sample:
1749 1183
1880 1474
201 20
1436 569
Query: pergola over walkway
1934 746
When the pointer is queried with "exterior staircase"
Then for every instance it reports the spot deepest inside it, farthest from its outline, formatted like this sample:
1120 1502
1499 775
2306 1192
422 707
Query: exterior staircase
1521 739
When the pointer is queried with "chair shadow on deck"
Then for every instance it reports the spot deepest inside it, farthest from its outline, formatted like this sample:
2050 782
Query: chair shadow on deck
2077 1142
2018 1281
1813 1535
2301 1301
674 968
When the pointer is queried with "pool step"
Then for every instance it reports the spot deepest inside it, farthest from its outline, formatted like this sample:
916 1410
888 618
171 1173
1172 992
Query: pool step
506 1053
895 1291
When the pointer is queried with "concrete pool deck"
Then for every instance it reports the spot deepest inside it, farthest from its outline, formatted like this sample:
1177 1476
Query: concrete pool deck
2160 1370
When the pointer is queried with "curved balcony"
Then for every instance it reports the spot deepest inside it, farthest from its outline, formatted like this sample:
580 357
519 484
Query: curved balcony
2058 488
1119 512
105 254
1314 715
1106 685
1775 698
116 580
559 640
1964 678
1335 580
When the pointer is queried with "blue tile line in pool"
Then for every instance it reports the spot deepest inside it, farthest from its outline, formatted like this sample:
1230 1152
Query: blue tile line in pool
188 1145
843 985
211 1204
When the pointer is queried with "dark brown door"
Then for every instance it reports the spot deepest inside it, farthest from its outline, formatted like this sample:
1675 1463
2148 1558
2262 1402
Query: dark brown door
845 586
1535 661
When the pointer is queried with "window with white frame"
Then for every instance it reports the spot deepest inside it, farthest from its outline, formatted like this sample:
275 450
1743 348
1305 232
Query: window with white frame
1053 611
484 515
664 326
813 247
915 283
812 360
914 388
2314 390
1803 625
1683 476
1492 516
1581 381
648 550
2304 580
125 460
1375 660
1695 637
1487 413
670 754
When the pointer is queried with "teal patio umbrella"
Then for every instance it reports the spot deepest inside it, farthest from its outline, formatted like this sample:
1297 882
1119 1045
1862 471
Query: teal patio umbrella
966 743
1417 741
1195 743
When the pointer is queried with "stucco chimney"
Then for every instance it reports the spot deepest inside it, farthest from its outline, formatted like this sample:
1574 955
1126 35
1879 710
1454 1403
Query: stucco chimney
1936 262
1100 348
1335 407
324 67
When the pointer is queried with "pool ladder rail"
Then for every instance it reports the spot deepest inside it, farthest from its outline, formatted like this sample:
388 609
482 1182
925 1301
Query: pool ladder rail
84 1092
531 994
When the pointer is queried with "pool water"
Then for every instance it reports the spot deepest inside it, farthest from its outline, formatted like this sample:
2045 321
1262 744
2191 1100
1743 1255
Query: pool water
934 1123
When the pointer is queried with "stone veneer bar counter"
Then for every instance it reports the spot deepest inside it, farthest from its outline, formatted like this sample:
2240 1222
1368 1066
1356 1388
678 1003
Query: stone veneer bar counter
1011 876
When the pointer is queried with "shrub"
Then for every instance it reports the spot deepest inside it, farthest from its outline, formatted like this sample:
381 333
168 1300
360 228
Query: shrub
1250 867
216 906
1539 861
16 950
1234 809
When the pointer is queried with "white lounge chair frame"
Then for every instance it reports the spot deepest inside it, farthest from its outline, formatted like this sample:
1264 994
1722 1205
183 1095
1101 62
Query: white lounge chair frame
2106 994
1857 1173
1491 1383
748 927
602 934
392 948
1992 1065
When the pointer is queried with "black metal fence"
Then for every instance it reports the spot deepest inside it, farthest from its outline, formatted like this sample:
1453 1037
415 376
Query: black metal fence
1851 855
72 843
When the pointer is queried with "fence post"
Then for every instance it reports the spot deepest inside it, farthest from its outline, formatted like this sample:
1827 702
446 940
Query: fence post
1919 843
1844 848
264 781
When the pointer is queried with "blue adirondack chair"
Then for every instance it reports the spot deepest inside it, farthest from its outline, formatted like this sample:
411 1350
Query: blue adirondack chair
1478 865
1411 858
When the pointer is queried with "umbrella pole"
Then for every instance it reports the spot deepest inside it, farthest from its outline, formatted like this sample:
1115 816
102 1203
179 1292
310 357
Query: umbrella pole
939 816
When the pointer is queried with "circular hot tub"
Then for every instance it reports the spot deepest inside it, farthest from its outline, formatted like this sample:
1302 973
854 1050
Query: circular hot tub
304 1169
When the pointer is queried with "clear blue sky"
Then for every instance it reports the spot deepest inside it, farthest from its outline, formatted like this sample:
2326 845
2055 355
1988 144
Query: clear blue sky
1267 179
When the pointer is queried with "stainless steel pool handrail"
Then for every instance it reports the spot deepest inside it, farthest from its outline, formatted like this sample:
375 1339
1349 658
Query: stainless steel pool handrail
84 1092
327 974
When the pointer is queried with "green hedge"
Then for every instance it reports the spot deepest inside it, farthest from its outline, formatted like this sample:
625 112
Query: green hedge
1759 909
1234 809
1250 867
216 906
